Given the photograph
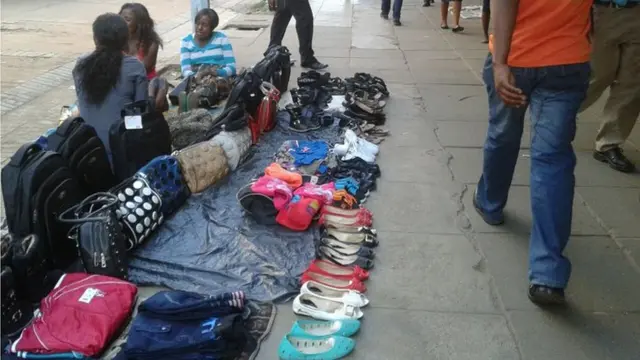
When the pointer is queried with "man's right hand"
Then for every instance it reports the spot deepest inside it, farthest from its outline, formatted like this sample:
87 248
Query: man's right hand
505 84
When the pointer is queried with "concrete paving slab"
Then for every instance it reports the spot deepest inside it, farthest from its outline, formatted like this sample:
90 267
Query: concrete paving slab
389 54
366 64
467 166
518 215
434 336
596 261
577 335
631 246
455 102
375 42
437 65
430 272
473 54
419 165
617 208
591 172
414 207
415 132
402 91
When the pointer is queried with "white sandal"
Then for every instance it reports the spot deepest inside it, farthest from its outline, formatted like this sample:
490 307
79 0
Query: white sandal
324 309
349 297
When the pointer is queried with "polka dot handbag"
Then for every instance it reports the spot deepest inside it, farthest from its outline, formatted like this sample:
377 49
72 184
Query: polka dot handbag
139 209
164 175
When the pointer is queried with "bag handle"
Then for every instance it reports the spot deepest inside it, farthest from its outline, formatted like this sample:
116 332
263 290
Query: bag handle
105 200
23 154
63 131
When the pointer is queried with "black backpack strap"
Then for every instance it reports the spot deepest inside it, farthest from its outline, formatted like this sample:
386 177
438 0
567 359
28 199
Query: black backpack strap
24 153
62 133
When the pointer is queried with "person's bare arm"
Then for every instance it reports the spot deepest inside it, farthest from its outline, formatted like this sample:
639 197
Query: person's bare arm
504 15
150 58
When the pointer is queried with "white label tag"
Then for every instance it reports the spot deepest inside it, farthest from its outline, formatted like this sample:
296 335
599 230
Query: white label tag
88 295
133 122
314 180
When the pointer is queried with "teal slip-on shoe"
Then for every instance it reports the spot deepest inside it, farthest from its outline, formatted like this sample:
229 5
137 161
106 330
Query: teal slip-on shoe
313 348
317 328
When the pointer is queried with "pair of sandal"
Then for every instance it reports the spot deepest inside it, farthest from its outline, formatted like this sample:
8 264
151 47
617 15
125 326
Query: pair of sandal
457 29
314 340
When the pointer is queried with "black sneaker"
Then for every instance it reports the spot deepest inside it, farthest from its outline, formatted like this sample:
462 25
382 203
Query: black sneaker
545 295
397 22
616 159
384 16
315 65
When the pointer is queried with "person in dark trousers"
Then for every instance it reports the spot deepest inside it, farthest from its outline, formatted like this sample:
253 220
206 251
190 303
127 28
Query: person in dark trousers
397 7
301 11
486 19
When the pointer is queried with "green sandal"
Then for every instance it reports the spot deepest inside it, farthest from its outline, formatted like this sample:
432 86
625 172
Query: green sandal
306 348
318 329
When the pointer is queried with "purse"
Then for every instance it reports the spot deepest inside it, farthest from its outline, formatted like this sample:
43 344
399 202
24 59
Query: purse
266 114
139 209
164 175
203 165
102 245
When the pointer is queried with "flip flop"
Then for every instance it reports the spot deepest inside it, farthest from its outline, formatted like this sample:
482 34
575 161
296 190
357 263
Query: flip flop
307 348
330 269
348 297
324 309
320 329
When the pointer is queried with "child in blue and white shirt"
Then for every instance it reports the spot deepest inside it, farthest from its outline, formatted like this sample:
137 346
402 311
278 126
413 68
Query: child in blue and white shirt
207 46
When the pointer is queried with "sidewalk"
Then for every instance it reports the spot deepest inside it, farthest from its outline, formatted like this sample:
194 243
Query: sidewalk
446 286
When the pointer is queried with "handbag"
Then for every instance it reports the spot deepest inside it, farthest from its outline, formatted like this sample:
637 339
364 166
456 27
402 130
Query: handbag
102 245
164 176
139 209
266 114
203 165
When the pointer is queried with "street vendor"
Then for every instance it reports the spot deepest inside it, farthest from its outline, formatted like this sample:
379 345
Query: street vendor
107 79
207 46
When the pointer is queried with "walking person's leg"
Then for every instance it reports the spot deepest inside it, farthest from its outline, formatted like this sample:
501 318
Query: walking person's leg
385 8
281 20
457 7
397 9
554 105
615 64
301 10
444 14
486 18
500 150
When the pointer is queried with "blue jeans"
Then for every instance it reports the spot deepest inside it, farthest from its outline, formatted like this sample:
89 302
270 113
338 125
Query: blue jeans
397 7
555 94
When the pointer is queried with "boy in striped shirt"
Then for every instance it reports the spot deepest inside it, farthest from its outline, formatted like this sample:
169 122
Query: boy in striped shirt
207 46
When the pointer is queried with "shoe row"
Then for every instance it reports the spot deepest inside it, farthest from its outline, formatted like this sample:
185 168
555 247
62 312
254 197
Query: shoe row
310 339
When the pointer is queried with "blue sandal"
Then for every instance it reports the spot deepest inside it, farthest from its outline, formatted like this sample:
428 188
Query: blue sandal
306 348
320 329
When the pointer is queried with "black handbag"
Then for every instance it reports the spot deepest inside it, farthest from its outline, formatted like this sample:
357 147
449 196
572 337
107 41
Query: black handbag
101 242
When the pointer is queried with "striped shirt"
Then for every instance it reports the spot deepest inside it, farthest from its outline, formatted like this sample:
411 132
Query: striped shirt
217 52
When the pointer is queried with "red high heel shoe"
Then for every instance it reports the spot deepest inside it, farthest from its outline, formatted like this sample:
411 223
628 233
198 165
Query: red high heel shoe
328 268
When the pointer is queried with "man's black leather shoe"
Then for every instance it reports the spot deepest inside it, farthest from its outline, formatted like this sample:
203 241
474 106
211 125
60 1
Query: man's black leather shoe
616 159
544 295
315 65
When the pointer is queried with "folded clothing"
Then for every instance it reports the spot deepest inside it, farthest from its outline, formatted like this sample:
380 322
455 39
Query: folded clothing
184 325
308 152
355 147
81 314
299 213
274 188
294 180
322 193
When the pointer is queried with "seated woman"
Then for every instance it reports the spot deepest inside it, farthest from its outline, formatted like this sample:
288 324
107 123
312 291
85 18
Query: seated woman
207 46
107 79
144 43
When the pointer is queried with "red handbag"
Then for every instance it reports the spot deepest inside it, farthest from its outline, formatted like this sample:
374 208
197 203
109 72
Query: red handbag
254 126
266 114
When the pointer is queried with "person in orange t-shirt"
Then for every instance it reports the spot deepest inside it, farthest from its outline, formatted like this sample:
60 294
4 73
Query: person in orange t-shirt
539 60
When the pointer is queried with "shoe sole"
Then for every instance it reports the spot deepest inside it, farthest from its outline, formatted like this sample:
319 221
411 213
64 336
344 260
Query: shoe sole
483 216
550 301
598 156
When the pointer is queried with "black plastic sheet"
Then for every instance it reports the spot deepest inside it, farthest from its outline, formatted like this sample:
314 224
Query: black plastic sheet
209 245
